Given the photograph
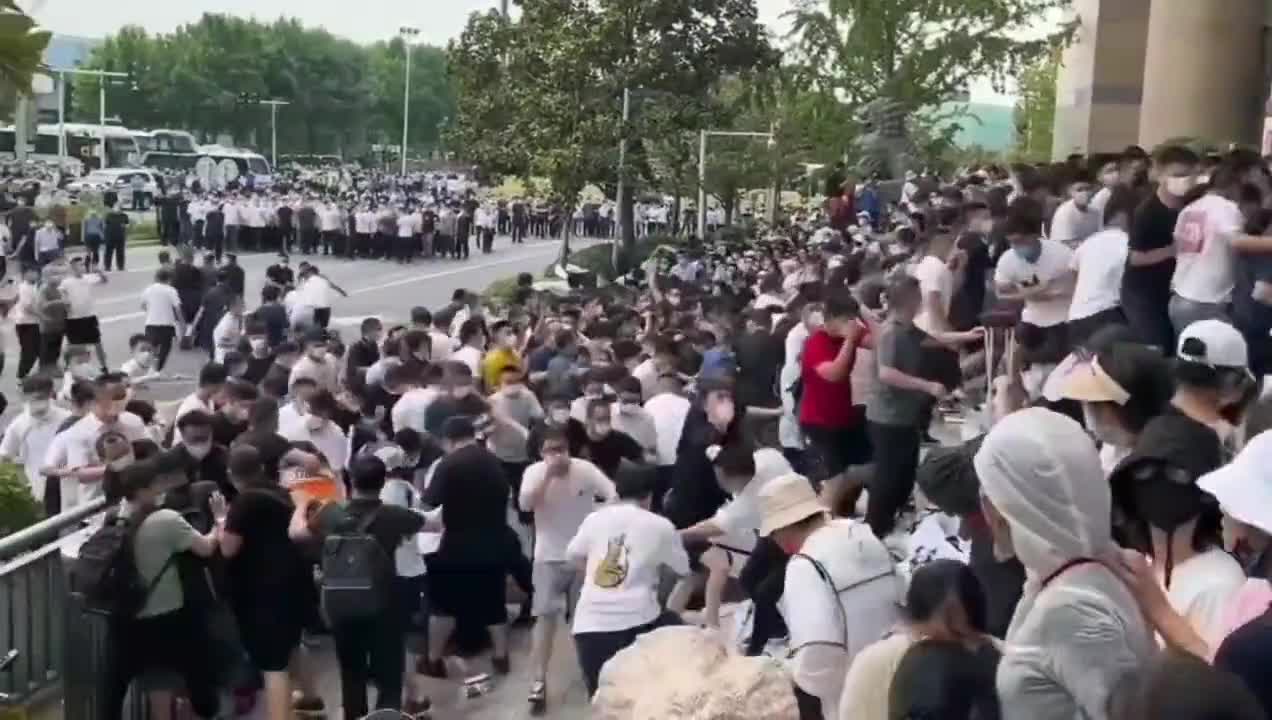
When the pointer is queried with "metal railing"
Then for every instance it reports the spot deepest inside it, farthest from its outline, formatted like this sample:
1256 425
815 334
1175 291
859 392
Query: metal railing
34 604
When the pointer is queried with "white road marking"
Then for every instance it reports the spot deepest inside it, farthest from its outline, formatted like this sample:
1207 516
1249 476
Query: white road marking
382 286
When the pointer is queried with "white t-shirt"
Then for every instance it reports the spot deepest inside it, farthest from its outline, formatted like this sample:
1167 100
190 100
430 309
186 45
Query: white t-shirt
407 560
316 292
162 304
565 503
866 595
405 226
1071 225
76 447
669 411
330 441
409 410
1052 263
225 335
27 440
1099 262
1203 249
471 357
934 276
79 294
442 345
1202 588
625 547
740 517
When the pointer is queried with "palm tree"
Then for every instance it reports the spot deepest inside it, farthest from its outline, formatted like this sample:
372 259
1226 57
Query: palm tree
21 47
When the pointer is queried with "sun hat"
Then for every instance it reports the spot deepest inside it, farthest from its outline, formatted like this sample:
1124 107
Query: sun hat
787 500
1243 487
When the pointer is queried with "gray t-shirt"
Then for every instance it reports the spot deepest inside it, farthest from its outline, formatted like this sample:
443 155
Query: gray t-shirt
506 443
164 533
900 347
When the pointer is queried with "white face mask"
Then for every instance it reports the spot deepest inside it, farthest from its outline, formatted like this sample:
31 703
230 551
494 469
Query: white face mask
318 354
1082 199
259 345
1180 186
198 451
38 408
144 357
1109 179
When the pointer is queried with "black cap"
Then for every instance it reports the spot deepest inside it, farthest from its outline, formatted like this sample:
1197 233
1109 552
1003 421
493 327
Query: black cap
1175 440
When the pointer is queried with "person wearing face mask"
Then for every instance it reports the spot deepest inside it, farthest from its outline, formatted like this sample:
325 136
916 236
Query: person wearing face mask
503 354
27 438
195 459
316 427
459 397
556 414
472 338
364 353
604 446
1039 272
1146 283
140 367
212 378
1100 263
1110 178
259 358
1077 629
231 420
509 444
79 366
634 420
1076 220
316 363
840 589
595 387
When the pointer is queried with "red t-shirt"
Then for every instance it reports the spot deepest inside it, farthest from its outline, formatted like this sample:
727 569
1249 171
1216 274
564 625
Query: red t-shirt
824 403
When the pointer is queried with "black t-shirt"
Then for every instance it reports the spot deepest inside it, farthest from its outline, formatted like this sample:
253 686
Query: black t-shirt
1152 228
1247 653
759 357
257 368
274 317
271 446
392 525
470 486
214 224
225 430
608 452
269 564
188 280
442 408
280 274
968 301
116 226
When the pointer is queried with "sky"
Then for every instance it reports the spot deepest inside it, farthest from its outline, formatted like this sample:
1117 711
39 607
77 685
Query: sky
363 21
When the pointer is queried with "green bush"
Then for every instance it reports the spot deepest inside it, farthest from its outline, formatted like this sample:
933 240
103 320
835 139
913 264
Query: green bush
18 509
500 292
596 259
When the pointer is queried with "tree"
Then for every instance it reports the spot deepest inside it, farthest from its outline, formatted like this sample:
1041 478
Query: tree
21 47
918 52
1035 110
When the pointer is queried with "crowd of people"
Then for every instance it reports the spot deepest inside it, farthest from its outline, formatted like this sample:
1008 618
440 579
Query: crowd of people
731 437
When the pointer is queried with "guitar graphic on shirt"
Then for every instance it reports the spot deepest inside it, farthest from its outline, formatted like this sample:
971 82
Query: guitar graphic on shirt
612 570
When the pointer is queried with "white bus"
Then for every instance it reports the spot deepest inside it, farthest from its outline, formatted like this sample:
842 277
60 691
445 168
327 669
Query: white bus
245 162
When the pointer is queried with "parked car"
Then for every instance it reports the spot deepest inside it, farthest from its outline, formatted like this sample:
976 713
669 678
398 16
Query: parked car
121 181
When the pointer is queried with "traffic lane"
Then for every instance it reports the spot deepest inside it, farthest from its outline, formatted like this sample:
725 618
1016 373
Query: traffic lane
375 288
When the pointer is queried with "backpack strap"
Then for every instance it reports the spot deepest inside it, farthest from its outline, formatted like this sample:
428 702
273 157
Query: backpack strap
154 582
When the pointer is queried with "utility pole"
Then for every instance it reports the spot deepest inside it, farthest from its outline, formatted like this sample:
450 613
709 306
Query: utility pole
407 34
101 105
273 129
617 246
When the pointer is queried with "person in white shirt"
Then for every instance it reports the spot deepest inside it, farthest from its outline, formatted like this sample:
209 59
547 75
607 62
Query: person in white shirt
228 330
668 408
413 400
212 378
404 245
1110 178
81 321
473 346
1209 235
631 418
316 363
330 225
841 589
315 290
315 426
734 529
1037 271
233 221
1076 220
624 549
48 243
139 369
27 438
561 491
164 320
1100 262
72 456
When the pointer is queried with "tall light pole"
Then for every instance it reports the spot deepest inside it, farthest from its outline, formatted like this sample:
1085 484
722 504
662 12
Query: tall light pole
101 106
408 33
702 168
273 129
617 245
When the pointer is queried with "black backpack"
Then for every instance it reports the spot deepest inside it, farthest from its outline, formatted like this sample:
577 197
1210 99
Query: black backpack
105 578
356 572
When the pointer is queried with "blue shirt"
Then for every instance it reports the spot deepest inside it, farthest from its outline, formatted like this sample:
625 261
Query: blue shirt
94 226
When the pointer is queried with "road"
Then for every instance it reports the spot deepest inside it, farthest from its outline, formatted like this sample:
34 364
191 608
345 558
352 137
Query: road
380 288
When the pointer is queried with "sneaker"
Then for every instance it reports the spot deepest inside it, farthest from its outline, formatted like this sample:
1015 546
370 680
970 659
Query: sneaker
502 665
538 697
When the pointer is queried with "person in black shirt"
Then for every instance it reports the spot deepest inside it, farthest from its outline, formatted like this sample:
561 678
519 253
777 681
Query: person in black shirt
604 446
271 591
262 434
467 573
214 230
373 649
259 356
286 233
278 378
460 398
364 353
235 278
1150 265
968 301
759 357
198 458
230 420
281 273
556 413
188 282
116 238
22 230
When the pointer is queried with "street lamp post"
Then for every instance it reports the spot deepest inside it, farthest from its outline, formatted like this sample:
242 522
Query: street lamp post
407 34
273 129
101 106
702 168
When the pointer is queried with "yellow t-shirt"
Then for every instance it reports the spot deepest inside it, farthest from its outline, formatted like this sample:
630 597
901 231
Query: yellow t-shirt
493 365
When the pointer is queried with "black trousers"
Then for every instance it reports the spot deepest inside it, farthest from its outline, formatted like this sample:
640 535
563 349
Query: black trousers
50 347
322 317
175 641
161 337
595 649
487 240
519 230
216 244
763 578
114 250
896 458
28 347
308 240
375 651
461 247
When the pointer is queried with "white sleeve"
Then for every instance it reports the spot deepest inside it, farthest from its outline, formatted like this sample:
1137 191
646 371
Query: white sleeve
11 443
1004 272
674 555
929 277
531 481
600 484
816 632
393 493
1063 225
1230 222
57 455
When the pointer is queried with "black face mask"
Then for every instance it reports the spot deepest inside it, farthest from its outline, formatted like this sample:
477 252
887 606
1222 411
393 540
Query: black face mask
1165 497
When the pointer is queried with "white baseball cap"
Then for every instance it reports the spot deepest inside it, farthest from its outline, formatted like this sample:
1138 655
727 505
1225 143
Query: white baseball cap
1243 487
1214 343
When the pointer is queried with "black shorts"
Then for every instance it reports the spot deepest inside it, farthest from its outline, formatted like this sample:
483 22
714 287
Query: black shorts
83 331
471 593
270 634
839 448
1043 345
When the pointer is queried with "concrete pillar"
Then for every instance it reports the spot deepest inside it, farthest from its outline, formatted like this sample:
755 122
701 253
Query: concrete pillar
1204 71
